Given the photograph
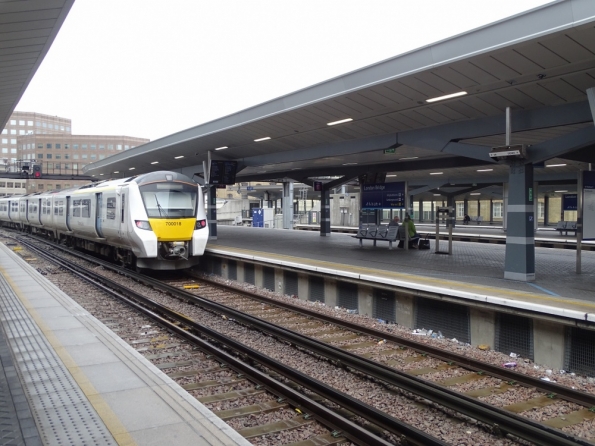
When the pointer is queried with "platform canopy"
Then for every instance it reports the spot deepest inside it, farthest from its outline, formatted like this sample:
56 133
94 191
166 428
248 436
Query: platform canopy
27 30
539 63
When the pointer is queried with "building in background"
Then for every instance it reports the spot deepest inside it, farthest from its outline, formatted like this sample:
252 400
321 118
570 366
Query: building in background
34 138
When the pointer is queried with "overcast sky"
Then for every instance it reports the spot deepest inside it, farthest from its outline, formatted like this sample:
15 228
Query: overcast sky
150 68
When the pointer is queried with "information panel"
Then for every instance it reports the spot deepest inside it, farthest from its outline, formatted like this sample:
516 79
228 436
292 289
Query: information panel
223 172
589 205
383 196
569 202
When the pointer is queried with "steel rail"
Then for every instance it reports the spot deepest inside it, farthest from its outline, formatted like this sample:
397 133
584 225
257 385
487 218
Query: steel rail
498 419
347 428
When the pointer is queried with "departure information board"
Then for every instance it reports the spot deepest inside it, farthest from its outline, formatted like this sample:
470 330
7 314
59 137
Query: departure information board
383 196
223 172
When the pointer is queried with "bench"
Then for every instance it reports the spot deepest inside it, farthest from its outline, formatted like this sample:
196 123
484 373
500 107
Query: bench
566 226
478 219
377 233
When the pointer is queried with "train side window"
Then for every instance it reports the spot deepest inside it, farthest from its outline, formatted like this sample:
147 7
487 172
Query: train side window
86 208
123 206
76 208
111 208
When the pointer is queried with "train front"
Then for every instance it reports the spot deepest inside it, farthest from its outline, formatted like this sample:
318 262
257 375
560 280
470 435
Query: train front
175 212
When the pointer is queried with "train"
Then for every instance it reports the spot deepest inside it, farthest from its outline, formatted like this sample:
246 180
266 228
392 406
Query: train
153 221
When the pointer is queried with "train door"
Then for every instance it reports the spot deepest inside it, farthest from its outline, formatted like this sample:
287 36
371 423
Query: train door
121 209
98 207
68 214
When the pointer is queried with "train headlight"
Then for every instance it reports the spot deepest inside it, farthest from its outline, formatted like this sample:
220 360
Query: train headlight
200 224
141 224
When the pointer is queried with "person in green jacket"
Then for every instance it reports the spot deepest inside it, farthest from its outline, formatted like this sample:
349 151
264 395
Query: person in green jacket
413 235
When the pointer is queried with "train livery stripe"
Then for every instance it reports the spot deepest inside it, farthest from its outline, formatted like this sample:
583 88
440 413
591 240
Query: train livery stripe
170 230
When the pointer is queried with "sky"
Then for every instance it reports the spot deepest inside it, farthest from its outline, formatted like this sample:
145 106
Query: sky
150 68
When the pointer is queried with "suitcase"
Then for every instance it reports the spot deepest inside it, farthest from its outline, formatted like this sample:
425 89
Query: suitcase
424 243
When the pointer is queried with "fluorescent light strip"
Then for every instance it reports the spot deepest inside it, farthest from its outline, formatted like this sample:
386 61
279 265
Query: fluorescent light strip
339 122
409 158
101 174
484 170
117 171
476 193
388 176
349 164
222 148
178 157
132 168
436 173
560 191
155 162
262 139
555 165
437 195
447 96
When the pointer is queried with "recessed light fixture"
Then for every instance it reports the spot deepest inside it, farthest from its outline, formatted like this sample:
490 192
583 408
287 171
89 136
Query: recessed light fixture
222 148
155 162
484 170
178 157
117 171
555 165
349 164
436 173
262 139
132 168
339 122
388 176
409 158
437 195
475 193
101 174
560 191
447 96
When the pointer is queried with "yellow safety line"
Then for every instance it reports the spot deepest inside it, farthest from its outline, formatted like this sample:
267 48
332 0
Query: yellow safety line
445 283
111 420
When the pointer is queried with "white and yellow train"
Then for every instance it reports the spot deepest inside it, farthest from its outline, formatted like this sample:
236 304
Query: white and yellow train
154 221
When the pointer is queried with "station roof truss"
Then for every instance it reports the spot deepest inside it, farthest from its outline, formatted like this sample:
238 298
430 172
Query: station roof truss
539 63
27 30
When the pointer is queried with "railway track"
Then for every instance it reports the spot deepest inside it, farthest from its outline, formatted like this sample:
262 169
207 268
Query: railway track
500 421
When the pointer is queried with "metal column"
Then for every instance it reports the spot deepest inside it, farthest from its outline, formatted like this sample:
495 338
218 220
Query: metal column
325 210
519 261
288 205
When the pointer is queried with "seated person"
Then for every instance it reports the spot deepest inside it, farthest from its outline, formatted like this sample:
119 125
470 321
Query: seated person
413 235
466 219
394 221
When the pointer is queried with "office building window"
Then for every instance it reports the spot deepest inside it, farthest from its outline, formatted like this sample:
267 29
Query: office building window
540 209
93 147
68 129
84 147
93 156
40 146
13 131
40 186
498 210
58 157
48 146
5 131
101 157
4 149
84 156
13 122
44 124
75 166
30 123
119 146
66 166
51 126
58 146
4 140
126 147
101 147
21 132
66 146
67 156
37 124
110 147
40 156
13 140
13 151
21 122
48 156
75 156
62 128
75 147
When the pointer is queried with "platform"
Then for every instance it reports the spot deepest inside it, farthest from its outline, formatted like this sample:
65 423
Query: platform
474 270
69 380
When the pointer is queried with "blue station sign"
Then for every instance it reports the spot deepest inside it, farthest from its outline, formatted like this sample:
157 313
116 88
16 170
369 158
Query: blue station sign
383 196
569 202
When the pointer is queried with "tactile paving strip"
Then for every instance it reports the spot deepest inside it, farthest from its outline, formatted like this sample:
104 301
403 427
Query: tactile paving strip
63 414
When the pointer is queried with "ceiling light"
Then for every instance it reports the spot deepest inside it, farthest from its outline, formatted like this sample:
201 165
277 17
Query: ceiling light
437 195
221 148
132 168
388 176
409 158
178 157
484 170
339 122
155 162
475 193
349 164
447 96
117 171
262 139
560 191
101 174
436 173
555 165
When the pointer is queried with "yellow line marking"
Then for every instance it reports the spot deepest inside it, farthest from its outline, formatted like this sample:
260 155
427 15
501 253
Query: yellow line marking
444 283
111 420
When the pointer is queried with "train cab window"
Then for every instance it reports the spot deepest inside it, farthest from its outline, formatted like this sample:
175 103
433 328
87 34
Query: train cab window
169 199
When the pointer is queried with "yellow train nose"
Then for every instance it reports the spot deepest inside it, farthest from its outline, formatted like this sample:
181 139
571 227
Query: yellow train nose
169 230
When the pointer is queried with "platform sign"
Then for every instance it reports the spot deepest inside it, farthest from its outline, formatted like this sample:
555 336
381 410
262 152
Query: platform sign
257 218
383 196
223 172
569 202
589 205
